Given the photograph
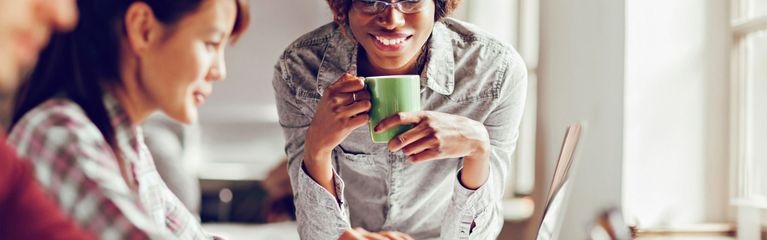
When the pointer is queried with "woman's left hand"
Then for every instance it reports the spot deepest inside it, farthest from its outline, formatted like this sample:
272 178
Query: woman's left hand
440 136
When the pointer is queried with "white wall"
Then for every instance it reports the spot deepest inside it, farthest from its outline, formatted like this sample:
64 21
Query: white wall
498 17
581 72
240 134
273 25
672 129
676 154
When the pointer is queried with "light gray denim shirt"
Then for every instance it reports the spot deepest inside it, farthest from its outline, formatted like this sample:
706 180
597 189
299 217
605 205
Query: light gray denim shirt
467 73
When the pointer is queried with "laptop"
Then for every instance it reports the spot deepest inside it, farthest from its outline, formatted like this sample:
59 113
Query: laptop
552 212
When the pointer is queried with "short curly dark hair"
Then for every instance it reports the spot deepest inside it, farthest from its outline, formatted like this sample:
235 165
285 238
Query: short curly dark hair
340 9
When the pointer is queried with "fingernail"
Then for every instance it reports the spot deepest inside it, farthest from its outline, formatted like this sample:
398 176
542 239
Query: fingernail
394 149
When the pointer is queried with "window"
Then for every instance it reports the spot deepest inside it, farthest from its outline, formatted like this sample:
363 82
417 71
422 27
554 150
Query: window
676 113
749 114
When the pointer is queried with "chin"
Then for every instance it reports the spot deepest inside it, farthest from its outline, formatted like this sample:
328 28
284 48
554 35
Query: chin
189 118
185 116
9 75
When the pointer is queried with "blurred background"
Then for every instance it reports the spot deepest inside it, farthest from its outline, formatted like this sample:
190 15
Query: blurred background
672 95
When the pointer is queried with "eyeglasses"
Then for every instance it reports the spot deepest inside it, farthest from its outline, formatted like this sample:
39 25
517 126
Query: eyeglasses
378 6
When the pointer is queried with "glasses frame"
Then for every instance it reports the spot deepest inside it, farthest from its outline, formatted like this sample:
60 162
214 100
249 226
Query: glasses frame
397 5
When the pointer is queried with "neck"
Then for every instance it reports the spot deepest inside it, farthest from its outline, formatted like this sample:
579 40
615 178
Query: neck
130 95
366 67
131 103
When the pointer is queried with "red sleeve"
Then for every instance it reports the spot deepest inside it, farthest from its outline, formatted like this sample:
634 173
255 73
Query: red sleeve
26 211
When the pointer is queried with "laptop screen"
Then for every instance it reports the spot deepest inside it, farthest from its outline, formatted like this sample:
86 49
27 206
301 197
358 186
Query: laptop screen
555 197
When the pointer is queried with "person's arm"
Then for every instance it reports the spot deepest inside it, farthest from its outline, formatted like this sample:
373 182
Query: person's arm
321 210
476 213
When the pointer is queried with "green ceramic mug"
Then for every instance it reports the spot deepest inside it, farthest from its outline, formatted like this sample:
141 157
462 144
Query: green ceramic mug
390 95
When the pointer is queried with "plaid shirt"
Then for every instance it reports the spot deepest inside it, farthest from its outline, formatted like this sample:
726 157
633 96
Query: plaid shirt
74 162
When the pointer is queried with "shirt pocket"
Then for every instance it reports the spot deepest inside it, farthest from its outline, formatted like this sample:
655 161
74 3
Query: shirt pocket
473 94
359 163
308 101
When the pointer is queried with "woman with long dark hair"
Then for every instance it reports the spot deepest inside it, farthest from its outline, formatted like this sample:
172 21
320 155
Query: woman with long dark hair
77 116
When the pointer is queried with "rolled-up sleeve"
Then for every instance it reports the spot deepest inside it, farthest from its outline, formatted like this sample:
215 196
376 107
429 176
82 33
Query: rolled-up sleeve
319 214
477 214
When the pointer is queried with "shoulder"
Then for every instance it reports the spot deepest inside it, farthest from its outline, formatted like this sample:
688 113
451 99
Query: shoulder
472 39
325 50
317 37
465 35
54 125
471 42
53 114
58 111
313 43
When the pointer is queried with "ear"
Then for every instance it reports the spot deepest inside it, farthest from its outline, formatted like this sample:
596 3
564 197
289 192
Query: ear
141 27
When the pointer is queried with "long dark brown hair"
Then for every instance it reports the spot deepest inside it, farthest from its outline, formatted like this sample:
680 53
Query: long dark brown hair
76 65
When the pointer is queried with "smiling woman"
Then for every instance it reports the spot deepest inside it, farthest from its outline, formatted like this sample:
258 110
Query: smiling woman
77 117
442 179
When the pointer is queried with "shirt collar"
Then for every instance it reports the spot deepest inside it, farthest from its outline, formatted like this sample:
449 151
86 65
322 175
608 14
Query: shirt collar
128 136
440 66
340 57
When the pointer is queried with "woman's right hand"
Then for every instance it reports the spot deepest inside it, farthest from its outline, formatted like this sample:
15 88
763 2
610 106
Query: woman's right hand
362 234
343 107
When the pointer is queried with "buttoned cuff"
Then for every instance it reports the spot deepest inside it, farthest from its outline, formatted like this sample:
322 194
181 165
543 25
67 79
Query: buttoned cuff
470 204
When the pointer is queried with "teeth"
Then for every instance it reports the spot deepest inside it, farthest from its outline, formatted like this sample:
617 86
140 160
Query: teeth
389 42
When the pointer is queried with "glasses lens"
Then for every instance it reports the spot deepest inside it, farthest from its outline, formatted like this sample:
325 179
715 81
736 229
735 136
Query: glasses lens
409 6
377 6
369 6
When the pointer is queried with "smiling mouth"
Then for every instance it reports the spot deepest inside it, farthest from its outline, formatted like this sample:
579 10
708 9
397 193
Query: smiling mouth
391 41
199 98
